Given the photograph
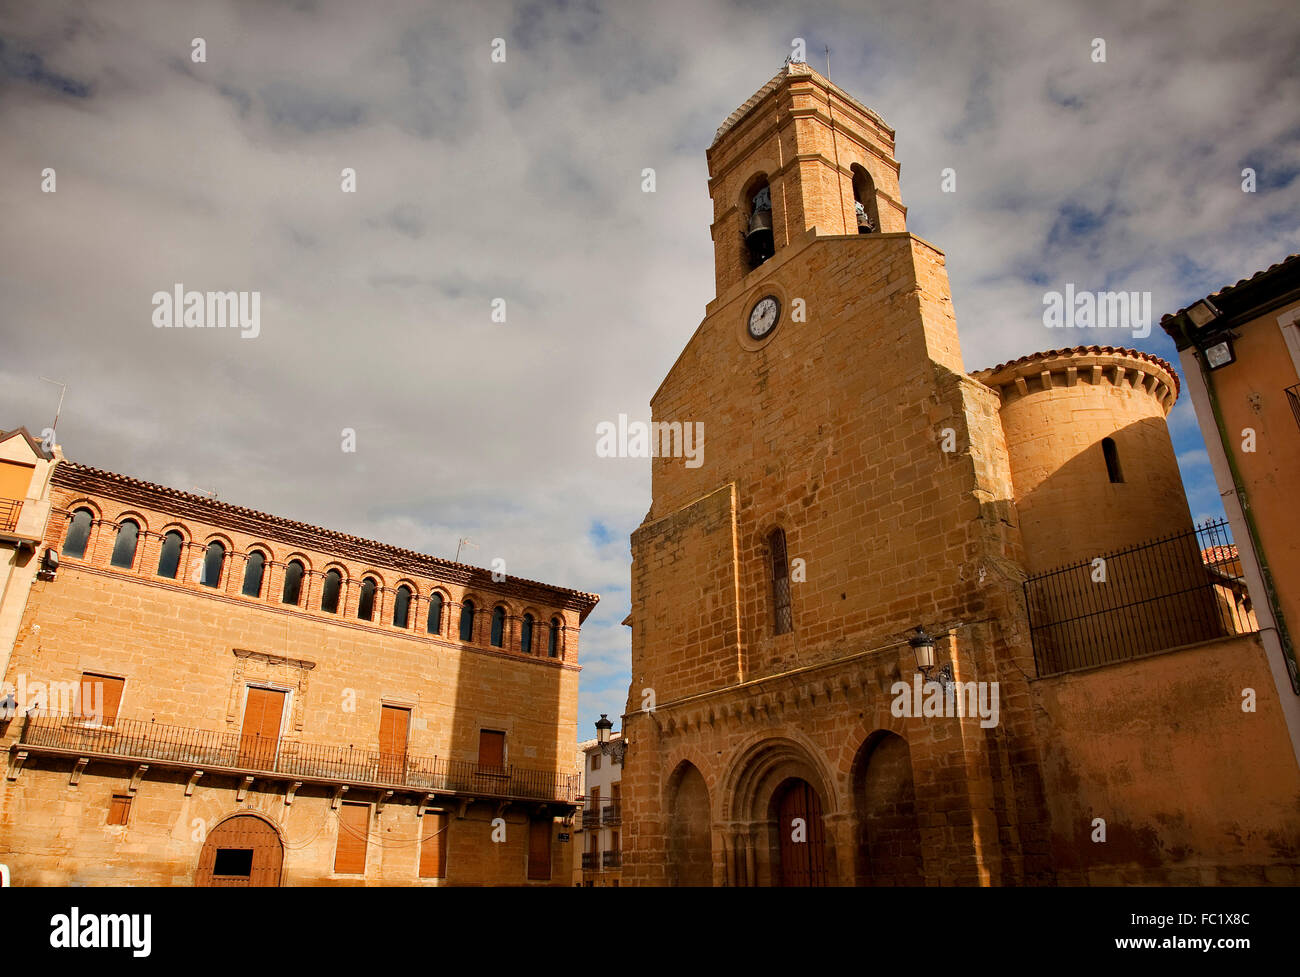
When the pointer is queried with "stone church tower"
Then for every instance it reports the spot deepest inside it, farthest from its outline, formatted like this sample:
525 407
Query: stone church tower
855 485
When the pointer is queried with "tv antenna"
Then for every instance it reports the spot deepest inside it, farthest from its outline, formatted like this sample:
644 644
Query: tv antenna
63 389
464 541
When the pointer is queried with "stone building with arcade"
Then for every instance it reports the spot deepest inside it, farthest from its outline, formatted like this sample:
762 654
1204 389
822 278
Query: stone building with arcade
200 693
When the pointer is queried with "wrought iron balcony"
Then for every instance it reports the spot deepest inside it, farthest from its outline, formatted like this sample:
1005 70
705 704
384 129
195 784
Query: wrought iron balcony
612 814
10 510
590 861
197 749
591 818
611 859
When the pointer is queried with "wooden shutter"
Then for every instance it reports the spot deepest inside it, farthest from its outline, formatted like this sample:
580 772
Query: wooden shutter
119 812
394 726
539 850
491 748
263 712
433 846
92 687
15 480
354 830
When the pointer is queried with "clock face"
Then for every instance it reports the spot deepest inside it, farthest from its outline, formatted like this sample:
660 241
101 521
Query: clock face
763 318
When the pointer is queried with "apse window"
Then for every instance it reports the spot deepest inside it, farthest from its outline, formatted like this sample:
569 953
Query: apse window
233 863
1111 454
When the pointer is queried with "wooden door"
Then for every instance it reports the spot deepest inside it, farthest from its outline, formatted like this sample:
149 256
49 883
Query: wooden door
100 697
539 850
260 737
242 851
353 839
802 836
394 727
491 751
433 846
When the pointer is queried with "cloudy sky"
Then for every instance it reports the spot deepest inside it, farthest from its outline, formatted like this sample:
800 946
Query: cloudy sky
521 180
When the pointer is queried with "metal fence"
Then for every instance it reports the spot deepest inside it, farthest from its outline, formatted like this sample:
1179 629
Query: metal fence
181 745
1172 591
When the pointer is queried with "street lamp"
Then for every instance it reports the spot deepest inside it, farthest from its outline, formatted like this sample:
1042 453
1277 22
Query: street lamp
923 648
616 748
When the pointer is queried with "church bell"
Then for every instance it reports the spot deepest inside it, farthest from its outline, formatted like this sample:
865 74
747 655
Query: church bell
759 238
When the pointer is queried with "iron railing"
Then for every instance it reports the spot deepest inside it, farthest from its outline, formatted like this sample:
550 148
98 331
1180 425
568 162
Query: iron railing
590 861
611 814
10 509
1172 591
183 746
611 859
591 818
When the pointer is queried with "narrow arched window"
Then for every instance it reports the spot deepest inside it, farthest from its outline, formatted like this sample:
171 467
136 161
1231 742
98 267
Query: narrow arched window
864 200
366 606
1111 454
526 635
169 560
467 621
74 544
128 535
553 639
498 627
254 569
434 625
329 592
213 560
759 242
402 606
781 617
292 583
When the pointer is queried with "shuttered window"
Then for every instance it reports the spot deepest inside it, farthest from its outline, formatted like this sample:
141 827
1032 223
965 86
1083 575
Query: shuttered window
354 830
433 846
539 850
394 725
491 748
119 812
100 697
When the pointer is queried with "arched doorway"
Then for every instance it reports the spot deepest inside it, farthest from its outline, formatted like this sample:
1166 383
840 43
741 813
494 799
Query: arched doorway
889 850
242 851
801 835
690 843
778 803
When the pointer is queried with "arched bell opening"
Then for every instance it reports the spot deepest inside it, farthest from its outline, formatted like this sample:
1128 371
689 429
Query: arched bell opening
864 200
760 242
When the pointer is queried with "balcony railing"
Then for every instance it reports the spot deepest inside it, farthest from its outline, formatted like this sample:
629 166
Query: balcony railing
590 861
1176 590
10 510
594 817
288 759
611 859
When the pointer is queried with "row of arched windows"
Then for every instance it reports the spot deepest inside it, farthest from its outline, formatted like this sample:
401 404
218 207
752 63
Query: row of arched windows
209 573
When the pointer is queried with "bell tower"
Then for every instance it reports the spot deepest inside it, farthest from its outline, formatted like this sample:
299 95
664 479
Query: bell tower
799 154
